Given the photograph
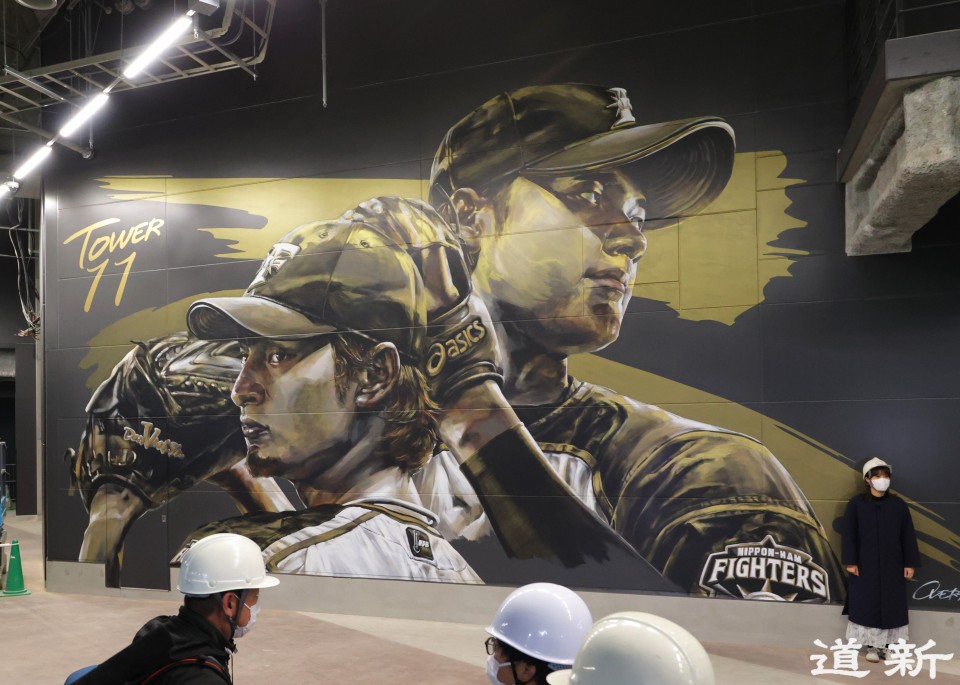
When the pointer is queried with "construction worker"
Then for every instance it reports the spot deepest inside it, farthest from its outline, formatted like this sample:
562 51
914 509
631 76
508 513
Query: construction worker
633 648
536 631
221 577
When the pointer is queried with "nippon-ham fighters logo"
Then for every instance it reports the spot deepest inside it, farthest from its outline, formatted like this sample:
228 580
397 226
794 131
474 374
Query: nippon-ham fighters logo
765 570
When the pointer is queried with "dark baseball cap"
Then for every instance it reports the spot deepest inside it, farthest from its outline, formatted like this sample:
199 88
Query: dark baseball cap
324 277
569 129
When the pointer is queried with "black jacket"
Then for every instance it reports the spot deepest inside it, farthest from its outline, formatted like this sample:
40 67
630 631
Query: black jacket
162 641
879 538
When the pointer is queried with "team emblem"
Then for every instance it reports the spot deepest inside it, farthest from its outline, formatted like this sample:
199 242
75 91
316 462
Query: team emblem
765 571
279 255
624 111
419 544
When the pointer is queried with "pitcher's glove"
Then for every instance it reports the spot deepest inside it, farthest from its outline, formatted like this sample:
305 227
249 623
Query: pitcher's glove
162 421
461 346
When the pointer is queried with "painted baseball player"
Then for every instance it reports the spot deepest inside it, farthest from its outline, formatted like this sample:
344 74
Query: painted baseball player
509 478
162 422
330 398
549 187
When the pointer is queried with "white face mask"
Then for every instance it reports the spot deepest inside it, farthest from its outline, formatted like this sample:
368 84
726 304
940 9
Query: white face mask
243 630
493 667
880 484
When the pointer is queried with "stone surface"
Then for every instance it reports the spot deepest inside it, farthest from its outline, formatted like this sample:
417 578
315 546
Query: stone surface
913 169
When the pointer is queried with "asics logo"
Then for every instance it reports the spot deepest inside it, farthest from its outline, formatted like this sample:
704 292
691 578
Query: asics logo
454 346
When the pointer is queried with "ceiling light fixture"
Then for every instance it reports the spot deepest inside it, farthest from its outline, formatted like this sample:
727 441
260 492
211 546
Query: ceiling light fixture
38 4
153 50
34 161
81 117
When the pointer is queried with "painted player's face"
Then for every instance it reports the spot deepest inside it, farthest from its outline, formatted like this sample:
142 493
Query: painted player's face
294 420
562 257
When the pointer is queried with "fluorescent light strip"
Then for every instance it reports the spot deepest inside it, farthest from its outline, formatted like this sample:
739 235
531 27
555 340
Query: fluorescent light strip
33 162
156 47
81 117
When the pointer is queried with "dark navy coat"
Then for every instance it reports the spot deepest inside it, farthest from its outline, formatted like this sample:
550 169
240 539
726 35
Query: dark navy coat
878 537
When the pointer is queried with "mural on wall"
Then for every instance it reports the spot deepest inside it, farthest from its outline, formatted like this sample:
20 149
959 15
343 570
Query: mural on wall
409 388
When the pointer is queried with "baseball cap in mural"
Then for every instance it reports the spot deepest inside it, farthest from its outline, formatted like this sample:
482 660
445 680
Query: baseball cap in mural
322 277
569 129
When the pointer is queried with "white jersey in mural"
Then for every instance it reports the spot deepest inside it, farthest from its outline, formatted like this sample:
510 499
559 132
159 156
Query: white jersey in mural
372 538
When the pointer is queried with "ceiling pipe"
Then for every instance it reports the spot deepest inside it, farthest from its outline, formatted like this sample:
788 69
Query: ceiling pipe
85 152
26 80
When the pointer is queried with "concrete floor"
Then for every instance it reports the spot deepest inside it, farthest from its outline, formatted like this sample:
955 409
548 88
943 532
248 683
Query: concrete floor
45 636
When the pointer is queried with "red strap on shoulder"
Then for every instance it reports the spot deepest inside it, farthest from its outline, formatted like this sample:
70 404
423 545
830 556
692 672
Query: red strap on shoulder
202 662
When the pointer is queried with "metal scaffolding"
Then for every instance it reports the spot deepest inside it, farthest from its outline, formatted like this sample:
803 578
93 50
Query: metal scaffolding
240 42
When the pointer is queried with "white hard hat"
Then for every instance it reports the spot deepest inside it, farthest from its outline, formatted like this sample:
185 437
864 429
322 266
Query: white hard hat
631 648
222 562
543 621
875 463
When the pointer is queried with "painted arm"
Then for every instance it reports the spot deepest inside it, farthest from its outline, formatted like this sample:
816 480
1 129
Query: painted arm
251 493
533 512
113 510
718 514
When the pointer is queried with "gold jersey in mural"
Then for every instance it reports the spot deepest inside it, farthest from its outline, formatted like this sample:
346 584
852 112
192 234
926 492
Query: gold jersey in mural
696 500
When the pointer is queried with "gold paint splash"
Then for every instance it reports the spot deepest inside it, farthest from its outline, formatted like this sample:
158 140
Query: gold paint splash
282 203
715 266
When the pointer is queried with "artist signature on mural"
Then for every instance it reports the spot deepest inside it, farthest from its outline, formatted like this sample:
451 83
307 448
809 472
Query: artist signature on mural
932 590
96 253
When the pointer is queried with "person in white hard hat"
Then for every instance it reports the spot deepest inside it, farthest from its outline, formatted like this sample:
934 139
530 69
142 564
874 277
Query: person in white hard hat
221 577
880 553
536 631
633 648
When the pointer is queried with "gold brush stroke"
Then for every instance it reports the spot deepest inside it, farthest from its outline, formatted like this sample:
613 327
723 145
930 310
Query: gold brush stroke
828 478
715 266
710 267
278 205
105 353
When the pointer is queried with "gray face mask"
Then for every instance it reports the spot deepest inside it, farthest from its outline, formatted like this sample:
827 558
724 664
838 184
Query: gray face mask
493 666
243 630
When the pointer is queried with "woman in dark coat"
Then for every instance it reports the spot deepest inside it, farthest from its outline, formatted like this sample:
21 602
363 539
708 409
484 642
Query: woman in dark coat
880 553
